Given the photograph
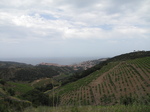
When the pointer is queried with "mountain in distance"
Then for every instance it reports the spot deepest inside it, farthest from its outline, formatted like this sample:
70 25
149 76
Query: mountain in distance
9 64
15 71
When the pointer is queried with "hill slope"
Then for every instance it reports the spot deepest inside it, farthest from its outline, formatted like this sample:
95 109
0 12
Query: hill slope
118 82
14 71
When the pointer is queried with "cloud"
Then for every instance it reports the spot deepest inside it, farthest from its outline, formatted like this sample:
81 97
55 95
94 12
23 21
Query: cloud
59 21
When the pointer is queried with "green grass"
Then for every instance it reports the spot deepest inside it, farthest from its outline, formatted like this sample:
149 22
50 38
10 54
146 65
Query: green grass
116 108
21 88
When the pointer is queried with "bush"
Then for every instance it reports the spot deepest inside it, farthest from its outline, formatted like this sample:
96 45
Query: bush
36 97
3 82
127 100
11 91
47 87
10 105
3 107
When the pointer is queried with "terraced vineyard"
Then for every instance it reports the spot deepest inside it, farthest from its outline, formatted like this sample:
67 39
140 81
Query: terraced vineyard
120 82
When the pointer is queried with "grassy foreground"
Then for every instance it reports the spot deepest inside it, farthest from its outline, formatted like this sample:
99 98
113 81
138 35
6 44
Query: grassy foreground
116 108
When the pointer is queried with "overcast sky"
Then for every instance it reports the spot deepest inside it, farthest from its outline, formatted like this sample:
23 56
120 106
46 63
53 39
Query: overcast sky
73 28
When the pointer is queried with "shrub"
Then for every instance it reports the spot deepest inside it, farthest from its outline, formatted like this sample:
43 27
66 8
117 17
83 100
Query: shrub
36 97
3 82
11 91
127 100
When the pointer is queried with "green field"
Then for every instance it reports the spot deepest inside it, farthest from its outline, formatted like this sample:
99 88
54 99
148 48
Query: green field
20 87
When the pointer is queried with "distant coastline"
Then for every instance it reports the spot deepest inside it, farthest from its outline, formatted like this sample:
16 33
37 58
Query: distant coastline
55 60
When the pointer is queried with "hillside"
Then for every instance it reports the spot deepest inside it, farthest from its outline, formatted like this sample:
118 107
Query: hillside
26 74
14 71
9 92
8 64
124 79
29 73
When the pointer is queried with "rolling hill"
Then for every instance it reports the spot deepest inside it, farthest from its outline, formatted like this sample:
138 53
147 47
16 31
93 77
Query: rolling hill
14 71
123 79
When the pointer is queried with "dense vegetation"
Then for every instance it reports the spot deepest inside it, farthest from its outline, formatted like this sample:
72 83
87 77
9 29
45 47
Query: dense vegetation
17 96
9 92
30 73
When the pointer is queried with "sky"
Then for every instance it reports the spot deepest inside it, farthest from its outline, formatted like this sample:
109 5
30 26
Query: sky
73 28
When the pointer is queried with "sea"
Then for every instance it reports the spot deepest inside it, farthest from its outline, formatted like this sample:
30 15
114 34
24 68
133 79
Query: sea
55 60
